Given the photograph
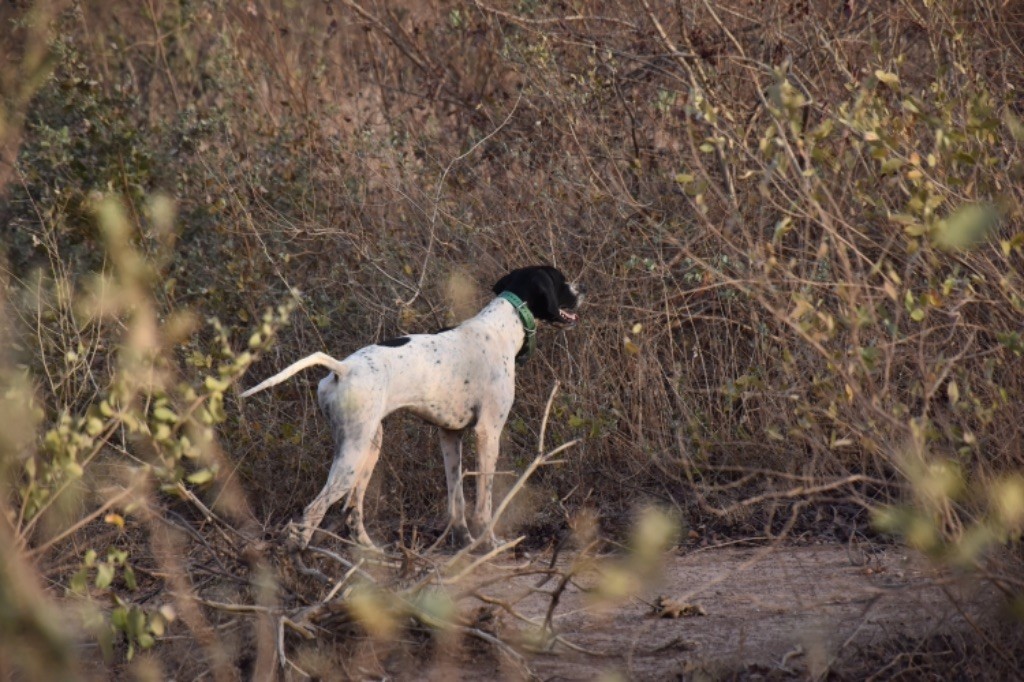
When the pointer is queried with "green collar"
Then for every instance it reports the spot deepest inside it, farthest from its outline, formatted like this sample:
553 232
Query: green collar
529 325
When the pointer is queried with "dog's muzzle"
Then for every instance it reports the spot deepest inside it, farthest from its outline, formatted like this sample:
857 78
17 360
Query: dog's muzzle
570 316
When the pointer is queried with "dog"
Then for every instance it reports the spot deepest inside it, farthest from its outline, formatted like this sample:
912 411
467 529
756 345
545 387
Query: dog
456 379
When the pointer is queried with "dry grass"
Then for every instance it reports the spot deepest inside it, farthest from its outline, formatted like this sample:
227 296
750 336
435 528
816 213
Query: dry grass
800 226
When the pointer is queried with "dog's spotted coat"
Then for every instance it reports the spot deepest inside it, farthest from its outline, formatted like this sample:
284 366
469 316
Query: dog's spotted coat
457 379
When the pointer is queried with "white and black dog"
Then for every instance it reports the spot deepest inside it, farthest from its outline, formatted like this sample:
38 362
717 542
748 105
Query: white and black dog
457 379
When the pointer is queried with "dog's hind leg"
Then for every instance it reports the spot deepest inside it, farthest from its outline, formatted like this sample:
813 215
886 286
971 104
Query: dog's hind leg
355 500
350 460
451 448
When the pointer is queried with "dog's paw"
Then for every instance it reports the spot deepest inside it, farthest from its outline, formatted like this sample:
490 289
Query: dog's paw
461 537
296 538
488 544
357 534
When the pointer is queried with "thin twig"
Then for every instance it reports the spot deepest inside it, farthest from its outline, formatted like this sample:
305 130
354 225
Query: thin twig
482 560
797 492
437 198
85 521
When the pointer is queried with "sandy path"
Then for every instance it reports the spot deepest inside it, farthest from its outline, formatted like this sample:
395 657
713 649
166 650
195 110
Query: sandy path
768 609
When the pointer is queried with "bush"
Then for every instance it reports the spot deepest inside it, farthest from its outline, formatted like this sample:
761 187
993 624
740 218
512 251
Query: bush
801 233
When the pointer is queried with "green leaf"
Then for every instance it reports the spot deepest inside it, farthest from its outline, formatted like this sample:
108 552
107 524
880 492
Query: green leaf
165 414
953 392
891 165
870 355
967 227
214 385
823 130
162 432
696 188
129 578
1012 341
1014 242
93 426
887 77
80 581
200 477
782 228
1015 125
119 618
136 625
104 575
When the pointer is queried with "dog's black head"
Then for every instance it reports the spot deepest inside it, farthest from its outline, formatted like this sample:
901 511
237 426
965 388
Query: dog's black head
546 293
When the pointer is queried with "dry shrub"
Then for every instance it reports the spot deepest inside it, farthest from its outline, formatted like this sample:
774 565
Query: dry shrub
799 224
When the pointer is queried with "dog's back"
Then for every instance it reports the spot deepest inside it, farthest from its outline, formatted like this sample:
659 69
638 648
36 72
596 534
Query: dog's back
444 378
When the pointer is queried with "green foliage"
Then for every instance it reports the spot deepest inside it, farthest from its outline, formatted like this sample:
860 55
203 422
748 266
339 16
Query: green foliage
140 627
933 163
144 422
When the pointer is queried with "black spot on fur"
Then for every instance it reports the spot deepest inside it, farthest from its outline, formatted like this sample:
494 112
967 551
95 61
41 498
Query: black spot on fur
395 342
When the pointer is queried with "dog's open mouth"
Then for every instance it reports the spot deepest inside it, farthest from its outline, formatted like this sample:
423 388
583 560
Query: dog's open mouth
569 318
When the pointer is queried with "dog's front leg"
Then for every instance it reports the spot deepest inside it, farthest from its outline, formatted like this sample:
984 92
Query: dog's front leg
488 437
451 448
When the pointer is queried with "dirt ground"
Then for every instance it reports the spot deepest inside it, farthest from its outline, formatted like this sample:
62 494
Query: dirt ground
770 612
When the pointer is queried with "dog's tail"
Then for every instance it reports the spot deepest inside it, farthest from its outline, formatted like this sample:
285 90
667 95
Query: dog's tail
309 361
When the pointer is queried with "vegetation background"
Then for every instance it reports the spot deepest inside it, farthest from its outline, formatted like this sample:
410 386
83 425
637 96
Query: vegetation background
800 225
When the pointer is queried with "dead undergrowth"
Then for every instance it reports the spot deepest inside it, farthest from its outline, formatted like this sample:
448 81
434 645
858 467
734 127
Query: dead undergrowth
800 225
